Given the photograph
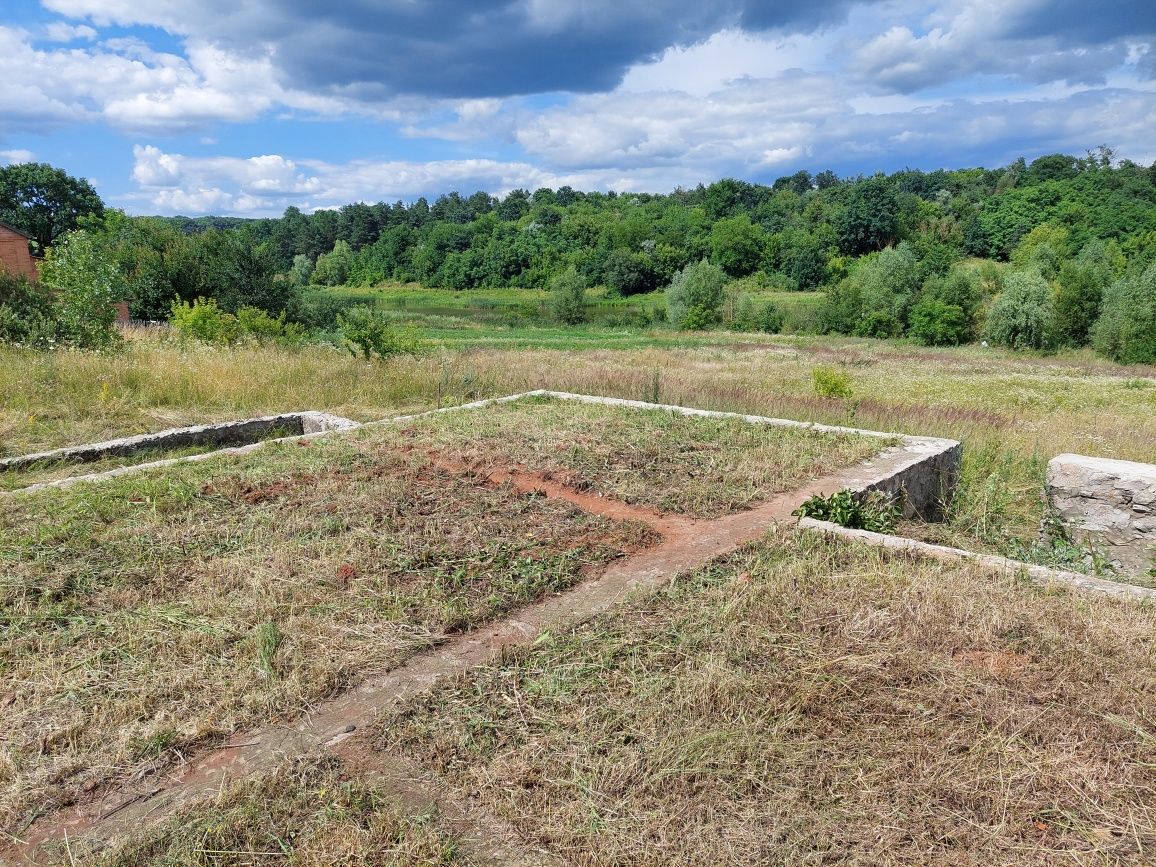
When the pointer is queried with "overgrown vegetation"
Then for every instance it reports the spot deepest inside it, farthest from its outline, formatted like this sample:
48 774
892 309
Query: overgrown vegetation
923 255
874 511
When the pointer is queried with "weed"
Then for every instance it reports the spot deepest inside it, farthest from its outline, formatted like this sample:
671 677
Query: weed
874 511
831 382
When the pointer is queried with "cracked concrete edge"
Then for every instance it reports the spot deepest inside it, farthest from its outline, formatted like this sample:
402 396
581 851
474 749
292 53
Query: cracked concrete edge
1042 575
313 424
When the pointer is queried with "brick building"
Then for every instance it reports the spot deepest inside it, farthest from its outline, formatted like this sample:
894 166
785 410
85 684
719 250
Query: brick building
14 255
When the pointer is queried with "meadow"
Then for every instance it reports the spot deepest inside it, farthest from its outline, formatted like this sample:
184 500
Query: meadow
1012 411
151 616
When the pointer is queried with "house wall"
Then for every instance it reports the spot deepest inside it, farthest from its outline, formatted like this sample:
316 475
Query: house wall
14 255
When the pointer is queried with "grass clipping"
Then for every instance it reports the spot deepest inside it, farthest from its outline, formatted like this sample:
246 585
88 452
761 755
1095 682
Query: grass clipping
688 465
144 615
813 701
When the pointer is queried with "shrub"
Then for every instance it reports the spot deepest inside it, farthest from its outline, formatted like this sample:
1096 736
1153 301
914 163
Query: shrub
203 320
26 312
831 382
1021 316
874 511
1077 303
695 295
370 333
934 323
568 297
1126 329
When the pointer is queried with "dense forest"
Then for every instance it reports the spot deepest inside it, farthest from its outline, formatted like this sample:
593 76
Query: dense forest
918 254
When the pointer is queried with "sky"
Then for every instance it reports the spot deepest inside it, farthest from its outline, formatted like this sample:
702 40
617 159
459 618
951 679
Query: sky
244 107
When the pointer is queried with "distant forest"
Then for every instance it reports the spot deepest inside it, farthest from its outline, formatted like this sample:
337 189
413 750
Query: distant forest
896 254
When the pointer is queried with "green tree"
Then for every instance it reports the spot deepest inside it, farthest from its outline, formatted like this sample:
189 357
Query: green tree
695 296
1078 292
87 284
332 268
736 245
935 323
568 297
1021 316
869 219
1126 329
45 201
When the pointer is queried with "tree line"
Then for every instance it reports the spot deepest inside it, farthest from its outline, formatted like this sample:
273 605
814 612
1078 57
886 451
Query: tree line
1055 252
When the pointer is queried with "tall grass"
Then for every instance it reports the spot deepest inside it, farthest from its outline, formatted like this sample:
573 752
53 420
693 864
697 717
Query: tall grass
1012 412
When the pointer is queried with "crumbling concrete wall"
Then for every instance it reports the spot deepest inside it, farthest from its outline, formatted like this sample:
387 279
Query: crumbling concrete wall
1108 503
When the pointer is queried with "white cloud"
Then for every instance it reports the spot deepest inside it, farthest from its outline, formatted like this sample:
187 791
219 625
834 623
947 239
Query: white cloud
11 157
59 31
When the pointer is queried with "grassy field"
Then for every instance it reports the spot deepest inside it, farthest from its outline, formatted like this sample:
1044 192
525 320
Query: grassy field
700 467
520 318
810 702
805 701
1013 412
154 612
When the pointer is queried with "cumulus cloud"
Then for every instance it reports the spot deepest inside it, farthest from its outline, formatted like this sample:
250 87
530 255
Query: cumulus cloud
18 155
457 48
1013 38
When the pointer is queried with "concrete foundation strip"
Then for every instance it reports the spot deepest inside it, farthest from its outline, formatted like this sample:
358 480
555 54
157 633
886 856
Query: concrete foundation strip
924 469
1042 575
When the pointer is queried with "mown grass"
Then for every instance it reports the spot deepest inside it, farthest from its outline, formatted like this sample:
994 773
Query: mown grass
308 813
702 467
152 612
1013 412
811 701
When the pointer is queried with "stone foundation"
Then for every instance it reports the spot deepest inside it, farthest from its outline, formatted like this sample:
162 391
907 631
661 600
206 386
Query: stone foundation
1108 503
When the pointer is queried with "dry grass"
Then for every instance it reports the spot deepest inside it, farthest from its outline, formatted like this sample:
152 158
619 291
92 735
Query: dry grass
702 467
56 469
306 814
149 613
1013 412
810 701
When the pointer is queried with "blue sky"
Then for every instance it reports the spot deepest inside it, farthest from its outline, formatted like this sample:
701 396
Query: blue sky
247 106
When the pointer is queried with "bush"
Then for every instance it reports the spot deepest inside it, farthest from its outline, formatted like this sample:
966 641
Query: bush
1077 303
934 323
26 313
831 382
695 295
370 333
1126 329
1021 316
568 297
203 320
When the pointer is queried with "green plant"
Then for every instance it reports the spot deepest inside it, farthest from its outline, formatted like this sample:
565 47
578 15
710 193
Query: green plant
568 297
831 381
203 320
873 511
371 333
86 284
1021 316
268 639
1126 329
695 295
934 323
